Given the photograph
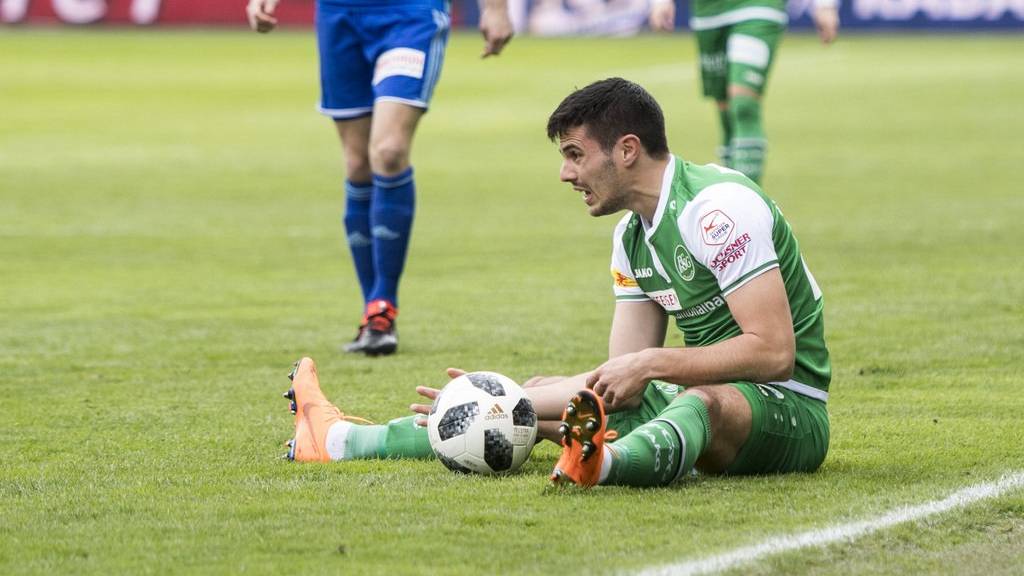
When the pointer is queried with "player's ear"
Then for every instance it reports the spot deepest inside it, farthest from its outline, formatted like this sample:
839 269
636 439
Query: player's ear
628 149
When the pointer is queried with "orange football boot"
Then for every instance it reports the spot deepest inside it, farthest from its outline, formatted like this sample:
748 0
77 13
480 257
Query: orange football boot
583 436
314 415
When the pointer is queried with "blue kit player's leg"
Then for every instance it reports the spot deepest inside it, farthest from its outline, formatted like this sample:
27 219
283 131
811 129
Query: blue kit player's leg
379 66
347 97
407 55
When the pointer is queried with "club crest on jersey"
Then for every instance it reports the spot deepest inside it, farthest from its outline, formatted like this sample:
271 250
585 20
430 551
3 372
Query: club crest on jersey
684 263
715 227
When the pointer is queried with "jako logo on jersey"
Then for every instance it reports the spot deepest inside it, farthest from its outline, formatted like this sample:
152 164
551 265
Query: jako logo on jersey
684 264
496 413
621 280
731 253
703 308
643 272
715 227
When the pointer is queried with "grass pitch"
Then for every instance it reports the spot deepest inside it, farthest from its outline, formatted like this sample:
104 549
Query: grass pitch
170 241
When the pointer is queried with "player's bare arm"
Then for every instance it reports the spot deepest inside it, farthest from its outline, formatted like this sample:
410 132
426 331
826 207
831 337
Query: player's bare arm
636 326
663 16
826 20
764 352
495 25
261 15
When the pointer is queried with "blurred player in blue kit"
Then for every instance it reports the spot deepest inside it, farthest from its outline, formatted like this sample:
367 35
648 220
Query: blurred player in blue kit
379 63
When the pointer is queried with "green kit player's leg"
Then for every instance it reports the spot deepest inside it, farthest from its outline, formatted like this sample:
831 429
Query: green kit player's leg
714 74
788 432
399 438
750 50
725 149
662 450
748 142
324 433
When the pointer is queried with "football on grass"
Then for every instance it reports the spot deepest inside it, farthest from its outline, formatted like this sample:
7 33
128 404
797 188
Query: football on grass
482 422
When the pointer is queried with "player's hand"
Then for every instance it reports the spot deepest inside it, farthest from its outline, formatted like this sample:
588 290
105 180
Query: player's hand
618 380
496 27
261 15
826 20
430 394
663 16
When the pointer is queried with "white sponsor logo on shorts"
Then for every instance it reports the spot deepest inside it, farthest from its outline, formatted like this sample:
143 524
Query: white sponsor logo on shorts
399 62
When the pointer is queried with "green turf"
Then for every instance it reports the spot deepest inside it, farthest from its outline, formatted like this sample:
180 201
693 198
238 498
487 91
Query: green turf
170 242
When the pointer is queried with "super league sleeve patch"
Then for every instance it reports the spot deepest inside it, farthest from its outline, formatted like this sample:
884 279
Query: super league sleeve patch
715 227
399 62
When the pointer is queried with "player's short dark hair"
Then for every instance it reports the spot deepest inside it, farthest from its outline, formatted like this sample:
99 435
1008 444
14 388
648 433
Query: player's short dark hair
610 109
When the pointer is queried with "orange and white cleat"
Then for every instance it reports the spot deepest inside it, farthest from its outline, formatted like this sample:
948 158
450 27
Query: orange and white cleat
314 415
583 437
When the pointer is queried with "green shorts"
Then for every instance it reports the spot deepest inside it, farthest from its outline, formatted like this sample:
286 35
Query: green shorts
738 54
789 431
657 396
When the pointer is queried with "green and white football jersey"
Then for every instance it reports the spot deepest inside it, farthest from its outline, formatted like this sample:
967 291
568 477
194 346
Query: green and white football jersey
714 231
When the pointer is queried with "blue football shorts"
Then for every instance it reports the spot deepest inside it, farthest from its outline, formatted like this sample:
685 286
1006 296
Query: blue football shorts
378 53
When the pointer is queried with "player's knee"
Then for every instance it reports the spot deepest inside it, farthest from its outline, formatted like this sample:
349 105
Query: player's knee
389 157
709 398
357 162
358 169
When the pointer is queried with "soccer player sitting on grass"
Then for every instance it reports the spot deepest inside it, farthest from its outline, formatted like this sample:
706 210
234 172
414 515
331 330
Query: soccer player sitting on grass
746 395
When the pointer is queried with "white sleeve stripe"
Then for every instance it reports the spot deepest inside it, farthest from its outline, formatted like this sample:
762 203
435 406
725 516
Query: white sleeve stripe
750 276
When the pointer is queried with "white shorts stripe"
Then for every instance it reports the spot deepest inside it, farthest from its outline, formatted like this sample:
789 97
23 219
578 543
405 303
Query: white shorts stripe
344 113
802 389
415 103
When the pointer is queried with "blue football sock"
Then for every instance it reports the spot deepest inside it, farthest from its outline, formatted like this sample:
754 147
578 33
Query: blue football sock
358 200
391 216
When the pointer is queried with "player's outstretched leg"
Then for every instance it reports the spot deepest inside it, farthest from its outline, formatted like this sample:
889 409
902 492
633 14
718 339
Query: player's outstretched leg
324 433
315 416
584 432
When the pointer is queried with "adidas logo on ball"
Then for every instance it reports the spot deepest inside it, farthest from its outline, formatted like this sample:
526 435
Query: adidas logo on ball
495 413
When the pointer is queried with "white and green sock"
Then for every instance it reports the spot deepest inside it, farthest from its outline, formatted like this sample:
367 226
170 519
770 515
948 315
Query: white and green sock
399 438
662 450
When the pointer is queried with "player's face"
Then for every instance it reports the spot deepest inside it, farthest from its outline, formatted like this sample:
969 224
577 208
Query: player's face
592 172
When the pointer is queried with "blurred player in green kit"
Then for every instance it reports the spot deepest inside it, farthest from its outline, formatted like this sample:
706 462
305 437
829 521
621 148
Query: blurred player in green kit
737 40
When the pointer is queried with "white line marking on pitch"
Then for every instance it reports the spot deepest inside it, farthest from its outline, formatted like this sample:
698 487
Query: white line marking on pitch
842 532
